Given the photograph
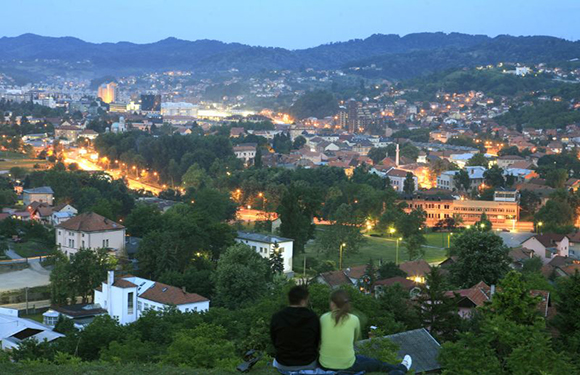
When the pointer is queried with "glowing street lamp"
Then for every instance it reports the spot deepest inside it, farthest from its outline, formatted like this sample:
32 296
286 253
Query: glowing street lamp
397 254
342 245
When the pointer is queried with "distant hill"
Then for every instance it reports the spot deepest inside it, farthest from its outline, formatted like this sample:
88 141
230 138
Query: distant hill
33 57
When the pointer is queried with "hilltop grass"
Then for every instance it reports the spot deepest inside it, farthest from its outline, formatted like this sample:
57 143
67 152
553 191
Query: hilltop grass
97 368
14 159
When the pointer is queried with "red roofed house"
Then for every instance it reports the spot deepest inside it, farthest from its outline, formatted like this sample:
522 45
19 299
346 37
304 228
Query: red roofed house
548 245
127 298
89 231
416 270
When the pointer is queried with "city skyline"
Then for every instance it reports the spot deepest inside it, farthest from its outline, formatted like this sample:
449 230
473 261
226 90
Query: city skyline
293 25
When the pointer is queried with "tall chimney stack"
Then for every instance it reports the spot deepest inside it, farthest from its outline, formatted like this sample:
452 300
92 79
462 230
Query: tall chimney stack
397 156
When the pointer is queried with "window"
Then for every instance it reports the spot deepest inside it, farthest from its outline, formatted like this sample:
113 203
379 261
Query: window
139 306
59 232
105 243
130 303
83 244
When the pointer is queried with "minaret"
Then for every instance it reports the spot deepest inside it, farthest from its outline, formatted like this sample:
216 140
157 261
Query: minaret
397 156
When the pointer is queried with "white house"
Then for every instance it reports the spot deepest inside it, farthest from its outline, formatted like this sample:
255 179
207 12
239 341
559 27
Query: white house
42 194
246 152
547 246
397 178
265 244
446 180
13 330
127 298
89 231
62 213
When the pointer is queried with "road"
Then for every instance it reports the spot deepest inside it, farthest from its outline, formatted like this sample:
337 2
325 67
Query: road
132 183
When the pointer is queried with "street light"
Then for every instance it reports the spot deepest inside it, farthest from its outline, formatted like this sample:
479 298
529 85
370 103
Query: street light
540 226
342 245
449 240
397 254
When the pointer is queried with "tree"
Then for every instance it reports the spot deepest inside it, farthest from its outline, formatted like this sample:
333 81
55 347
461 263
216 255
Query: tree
377 154
388 270
461 180
557 178
567 321
557 215
478 159
483 225
414 245
195 177
299 142
296 212
438 311
481 256
17 173
494 177
318 103
344 232
409 183
78 275
276 260
529 202
241 277
143 219
258 158
205 346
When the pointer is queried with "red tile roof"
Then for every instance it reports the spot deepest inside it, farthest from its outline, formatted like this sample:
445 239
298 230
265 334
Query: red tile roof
170 295
335 278
415 267
405 283
122 283
356 272
90 222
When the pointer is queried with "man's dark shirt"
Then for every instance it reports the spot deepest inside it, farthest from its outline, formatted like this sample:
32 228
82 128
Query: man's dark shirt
295 333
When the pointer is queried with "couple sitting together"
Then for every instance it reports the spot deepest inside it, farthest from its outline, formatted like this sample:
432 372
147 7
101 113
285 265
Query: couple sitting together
305 342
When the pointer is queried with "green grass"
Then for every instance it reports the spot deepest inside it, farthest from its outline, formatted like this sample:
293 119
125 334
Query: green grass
36 317
31 249
376 248
13 159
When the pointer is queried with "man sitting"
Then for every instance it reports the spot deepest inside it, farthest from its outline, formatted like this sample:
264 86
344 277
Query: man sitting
295 333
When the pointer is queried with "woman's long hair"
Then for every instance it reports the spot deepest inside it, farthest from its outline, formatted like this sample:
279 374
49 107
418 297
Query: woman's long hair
342 303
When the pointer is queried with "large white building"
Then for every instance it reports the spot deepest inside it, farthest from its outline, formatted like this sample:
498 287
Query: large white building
265 245
89 231
446 180
179 109
14 330
127 298
42 194
397 179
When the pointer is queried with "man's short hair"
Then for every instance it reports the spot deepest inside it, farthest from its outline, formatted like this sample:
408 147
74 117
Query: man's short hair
297 294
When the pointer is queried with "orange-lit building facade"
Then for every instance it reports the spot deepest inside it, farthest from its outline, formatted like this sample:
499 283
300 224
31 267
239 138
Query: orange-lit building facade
108 92
503 215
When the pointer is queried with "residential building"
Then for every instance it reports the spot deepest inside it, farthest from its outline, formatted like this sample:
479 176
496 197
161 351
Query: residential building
397 179
80 314
265 245
507 161
41 194
446 180
547 246
14 330
416 270
68 132
89 231
246 152
127 298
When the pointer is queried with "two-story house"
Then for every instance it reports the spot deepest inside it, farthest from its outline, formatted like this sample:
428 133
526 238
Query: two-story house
547 246
89 231
127 298
265 245
42 194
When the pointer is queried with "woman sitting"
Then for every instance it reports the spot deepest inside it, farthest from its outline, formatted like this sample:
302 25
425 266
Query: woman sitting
339 331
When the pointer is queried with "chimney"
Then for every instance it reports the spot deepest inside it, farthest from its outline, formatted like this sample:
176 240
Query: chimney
492 292
110 281
183 289
397 156
110 278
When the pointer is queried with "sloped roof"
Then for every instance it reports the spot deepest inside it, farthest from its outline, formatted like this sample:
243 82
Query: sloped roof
122 283
265 238
170 295
335 278
415 268
421 345
477 294
404 282
90 222
548 239
39 190
356 272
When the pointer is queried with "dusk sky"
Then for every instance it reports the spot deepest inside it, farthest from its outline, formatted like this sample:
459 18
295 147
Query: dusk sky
289 23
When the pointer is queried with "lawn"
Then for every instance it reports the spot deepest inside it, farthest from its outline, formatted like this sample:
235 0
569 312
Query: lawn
376 248
36 317
13 159
32 249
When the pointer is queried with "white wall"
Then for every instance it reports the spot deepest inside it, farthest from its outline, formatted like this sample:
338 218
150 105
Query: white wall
265 249
71 241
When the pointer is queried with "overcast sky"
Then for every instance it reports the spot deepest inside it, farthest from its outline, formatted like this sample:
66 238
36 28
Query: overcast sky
284 23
